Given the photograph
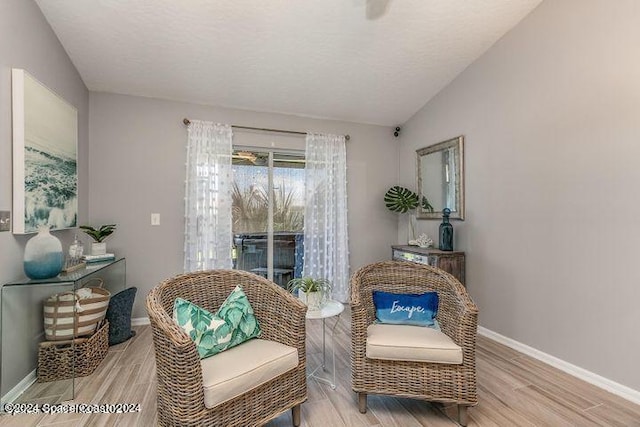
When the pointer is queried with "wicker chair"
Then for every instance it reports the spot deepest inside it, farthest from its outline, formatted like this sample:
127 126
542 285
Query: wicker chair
457 316
180 396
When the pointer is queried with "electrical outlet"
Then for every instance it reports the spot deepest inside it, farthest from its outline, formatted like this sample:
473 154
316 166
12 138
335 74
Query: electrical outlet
5 220
155 219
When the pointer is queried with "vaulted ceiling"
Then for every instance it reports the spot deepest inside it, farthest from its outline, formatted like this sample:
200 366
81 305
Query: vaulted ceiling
368 61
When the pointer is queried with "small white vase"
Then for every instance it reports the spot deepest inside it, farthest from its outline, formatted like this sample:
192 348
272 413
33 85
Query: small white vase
313 300
98 248
411 228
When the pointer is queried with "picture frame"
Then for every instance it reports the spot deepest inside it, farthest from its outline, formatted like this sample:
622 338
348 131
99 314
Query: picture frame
45 157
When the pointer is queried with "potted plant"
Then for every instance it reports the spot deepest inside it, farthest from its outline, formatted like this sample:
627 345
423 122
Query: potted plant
99 247
312 292
402 200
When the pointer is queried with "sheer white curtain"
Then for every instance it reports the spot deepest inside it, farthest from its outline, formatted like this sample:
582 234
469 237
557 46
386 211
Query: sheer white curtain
207 231
326 251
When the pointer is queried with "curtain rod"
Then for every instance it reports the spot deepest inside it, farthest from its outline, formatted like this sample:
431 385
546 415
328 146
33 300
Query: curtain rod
187 122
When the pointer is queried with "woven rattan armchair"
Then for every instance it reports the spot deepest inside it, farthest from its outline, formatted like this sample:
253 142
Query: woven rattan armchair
457 316
179 374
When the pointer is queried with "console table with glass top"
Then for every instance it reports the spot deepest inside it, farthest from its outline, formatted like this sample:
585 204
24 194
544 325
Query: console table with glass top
21 330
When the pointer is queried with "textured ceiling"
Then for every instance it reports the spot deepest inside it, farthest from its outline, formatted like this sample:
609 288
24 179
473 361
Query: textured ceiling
320 58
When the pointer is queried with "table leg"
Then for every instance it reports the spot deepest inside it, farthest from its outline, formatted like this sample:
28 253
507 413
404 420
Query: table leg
323 344
331 382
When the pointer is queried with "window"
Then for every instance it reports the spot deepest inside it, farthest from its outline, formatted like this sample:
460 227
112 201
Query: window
268 213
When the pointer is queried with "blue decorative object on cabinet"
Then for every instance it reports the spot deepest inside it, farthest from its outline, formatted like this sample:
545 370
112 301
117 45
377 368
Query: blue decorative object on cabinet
446 231
43 256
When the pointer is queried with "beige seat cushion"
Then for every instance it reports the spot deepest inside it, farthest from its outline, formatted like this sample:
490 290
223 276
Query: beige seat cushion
411 343
239 369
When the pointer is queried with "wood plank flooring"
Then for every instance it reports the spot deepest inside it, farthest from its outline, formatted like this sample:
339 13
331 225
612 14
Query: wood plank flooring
513 390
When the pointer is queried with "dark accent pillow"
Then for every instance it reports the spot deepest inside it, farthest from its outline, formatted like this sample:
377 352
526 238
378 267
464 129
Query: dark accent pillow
406 309
119 316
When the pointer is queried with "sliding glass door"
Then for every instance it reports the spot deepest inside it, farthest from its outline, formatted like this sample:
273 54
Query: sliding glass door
268 213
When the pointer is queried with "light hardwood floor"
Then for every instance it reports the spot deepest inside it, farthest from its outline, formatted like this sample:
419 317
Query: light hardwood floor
513 389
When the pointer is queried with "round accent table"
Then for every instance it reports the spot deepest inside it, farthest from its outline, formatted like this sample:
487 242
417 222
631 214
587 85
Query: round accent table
330 309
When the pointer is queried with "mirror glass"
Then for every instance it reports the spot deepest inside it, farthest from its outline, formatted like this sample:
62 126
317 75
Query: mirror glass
441 179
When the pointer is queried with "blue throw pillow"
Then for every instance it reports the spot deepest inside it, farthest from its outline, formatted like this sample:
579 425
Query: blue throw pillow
406 309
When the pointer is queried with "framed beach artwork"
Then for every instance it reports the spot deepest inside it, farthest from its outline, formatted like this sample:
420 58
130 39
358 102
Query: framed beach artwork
45 157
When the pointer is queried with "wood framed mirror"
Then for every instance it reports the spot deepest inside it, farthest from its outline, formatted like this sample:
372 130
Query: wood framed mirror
440 173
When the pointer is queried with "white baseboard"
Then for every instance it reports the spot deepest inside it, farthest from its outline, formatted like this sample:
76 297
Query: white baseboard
20 388
578 372
140 321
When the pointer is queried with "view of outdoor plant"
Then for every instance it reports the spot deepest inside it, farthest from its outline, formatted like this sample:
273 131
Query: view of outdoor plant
251 203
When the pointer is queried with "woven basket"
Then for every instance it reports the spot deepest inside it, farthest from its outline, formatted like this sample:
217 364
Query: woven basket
66 316
56 358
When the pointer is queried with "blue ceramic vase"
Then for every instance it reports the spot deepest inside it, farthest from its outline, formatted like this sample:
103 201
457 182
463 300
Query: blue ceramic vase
43 256
446 231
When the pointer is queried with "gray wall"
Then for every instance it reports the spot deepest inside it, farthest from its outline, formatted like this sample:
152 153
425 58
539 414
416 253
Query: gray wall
27 41
137 166
551 116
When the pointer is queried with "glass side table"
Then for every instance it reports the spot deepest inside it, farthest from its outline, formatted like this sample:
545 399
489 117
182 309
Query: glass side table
21 330
330 309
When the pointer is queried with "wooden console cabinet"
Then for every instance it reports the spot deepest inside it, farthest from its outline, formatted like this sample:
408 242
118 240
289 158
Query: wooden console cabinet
450 261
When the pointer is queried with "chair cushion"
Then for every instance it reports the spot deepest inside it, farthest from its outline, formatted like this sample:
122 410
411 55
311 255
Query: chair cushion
412 344
240 369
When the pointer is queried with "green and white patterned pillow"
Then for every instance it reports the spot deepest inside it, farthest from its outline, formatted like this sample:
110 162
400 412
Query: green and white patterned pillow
238 313
210 333
233 323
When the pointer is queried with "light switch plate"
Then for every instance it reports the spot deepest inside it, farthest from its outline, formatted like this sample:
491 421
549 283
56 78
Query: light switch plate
5 221
155 219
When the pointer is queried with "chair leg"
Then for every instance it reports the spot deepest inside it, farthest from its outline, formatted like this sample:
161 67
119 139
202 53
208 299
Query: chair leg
463 416
295 414
362 402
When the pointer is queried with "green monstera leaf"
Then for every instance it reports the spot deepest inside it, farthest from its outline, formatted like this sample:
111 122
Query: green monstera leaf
223 334
233 316
183 312
207 342
249 325
400 199
200 319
